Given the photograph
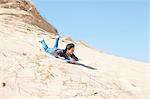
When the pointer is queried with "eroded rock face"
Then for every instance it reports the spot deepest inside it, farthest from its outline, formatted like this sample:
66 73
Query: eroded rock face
32 16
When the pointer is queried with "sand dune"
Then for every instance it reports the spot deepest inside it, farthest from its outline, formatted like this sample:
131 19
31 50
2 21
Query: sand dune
27 73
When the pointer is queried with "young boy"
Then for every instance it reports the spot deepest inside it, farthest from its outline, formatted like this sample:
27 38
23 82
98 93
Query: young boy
66 53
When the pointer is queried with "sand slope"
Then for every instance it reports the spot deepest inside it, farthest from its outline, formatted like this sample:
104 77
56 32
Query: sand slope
27 73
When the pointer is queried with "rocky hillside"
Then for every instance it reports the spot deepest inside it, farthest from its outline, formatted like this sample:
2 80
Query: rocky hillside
27 13
28 73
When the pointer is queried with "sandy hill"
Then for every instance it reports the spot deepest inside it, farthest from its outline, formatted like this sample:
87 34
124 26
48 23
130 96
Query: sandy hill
27 73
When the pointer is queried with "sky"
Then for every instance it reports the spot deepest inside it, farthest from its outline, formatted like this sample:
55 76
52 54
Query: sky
116 27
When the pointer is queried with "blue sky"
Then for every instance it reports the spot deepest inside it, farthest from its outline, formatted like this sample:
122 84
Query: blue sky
117 27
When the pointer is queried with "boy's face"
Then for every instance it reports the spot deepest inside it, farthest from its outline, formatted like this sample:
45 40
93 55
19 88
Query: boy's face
70 51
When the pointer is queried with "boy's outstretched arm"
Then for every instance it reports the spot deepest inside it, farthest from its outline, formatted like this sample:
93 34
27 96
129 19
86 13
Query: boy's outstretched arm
74 57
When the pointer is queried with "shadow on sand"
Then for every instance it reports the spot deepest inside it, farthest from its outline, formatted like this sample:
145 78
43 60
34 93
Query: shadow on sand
86 66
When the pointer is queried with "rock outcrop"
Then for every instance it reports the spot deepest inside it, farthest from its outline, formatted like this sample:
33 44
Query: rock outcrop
30 16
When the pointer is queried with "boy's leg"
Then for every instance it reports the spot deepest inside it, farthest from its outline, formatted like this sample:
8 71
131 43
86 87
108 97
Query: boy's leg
56 42
49 50
46 48
44 45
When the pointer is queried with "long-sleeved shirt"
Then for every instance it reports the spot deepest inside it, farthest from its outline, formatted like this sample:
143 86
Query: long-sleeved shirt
62 53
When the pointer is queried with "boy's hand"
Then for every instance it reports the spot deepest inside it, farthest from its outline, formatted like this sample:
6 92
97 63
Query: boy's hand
71 61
